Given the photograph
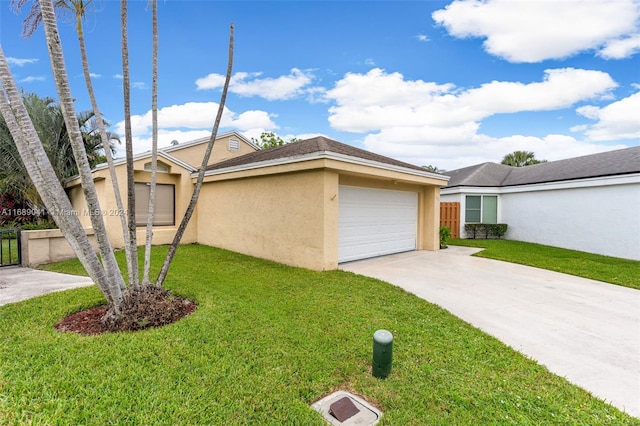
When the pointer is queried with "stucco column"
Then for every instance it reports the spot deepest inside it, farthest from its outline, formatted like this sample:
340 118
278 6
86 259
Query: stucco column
331 219
430 216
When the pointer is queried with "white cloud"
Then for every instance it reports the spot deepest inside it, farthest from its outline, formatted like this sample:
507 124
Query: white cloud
616 121
32 78
249 84
190 121
422 37
118 76
95 75
379 100
139 85
370 62
621 48
532 31
428 123
481 148
20 62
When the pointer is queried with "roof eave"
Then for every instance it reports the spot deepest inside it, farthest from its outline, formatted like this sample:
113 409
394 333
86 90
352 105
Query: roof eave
324 155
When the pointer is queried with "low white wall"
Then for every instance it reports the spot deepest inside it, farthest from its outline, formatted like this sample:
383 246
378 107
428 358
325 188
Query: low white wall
598 219
47 245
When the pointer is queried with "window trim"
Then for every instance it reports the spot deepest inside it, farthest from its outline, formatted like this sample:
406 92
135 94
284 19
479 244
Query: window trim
482 207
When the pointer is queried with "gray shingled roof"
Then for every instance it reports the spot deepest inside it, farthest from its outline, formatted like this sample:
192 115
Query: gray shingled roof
309 146
611 163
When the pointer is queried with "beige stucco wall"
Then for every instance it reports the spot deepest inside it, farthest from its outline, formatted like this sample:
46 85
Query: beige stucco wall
278 217
46 246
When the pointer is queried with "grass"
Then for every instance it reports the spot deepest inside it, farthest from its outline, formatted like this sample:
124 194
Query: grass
608 269
266 341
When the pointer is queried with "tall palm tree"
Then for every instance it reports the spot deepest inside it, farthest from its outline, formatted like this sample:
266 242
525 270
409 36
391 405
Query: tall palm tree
521 159
44 12
131 240
35 160
154 142
56 55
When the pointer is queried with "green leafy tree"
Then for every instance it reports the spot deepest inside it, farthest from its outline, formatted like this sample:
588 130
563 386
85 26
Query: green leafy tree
521 159
433 169
47 118
271 140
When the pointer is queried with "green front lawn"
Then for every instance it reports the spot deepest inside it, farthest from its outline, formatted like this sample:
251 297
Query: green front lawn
266 341
612 270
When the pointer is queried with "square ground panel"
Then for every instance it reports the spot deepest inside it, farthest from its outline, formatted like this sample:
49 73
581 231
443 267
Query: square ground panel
367 414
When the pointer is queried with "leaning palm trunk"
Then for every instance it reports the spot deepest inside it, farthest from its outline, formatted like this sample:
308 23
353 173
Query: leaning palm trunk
205 161
103 134
132 253
154 144
44 178
112 271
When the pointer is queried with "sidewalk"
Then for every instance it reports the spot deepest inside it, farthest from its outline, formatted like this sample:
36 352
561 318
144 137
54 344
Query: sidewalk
17 283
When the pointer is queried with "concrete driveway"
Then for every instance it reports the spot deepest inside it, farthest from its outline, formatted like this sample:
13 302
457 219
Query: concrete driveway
584 330
18 283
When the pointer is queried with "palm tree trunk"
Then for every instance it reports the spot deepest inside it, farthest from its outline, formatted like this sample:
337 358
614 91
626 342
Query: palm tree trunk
44 178
196 192
112 271
154 143
131 190
103 134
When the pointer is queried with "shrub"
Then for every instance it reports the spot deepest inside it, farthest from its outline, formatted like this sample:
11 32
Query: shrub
471 229
497 230
445 234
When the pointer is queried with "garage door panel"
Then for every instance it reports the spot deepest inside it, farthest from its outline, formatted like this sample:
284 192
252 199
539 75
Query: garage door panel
376 222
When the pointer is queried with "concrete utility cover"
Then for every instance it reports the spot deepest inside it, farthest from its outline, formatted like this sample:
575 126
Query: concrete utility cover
366 414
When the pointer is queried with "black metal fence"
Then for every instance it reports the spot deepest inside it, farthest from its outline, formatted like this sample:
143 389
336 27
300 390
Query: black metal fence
10 249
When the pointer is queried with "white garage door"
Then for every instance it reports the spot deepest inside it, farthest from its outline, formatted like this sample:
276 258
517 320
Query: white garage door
375 222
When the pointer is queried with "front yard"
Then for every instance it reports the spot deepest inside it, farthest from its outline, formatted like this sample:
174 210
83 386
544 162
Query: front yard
265 342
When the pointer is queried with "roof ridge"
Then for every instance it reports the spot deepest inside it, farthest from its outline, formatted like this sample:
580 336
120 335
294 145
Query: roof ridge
512 169
478 169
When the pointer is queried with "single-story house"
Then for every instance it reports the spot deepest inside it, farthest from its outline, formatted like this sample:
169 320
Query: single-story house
312 203
589 203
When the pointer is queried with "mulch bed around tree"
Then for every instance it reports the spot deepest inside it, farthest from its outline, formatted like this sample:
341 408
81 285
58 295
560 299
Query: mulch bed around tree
144 307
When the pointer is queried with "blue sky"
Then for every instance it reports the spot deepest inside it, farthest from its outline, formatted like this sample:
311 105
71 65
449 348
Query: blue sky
446 83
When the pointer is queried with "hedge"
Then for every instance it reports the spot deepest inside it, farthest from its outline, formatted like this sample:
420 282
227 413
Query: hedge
497 230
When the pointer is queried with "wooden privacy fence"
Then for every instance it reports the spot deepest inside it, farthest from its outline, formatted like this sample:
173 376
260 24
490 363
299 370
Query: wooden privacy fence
450 217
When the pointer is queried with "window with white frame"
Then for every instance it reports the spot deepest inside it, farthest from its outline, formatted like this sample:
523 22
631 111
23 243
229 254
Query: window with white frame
481 209
164 209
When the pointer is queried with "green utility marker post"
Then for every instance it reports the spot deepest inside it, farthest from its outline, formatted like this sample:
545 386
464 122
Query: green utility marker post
382 354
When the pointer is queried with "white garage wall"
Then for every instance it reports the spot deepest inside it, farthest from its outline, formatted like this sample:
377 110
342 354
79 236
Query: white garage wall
592 218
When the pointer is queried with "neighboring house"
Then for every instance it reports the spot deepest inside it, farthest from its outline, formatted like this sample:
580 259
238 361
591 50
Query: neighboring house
589 203
313 203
